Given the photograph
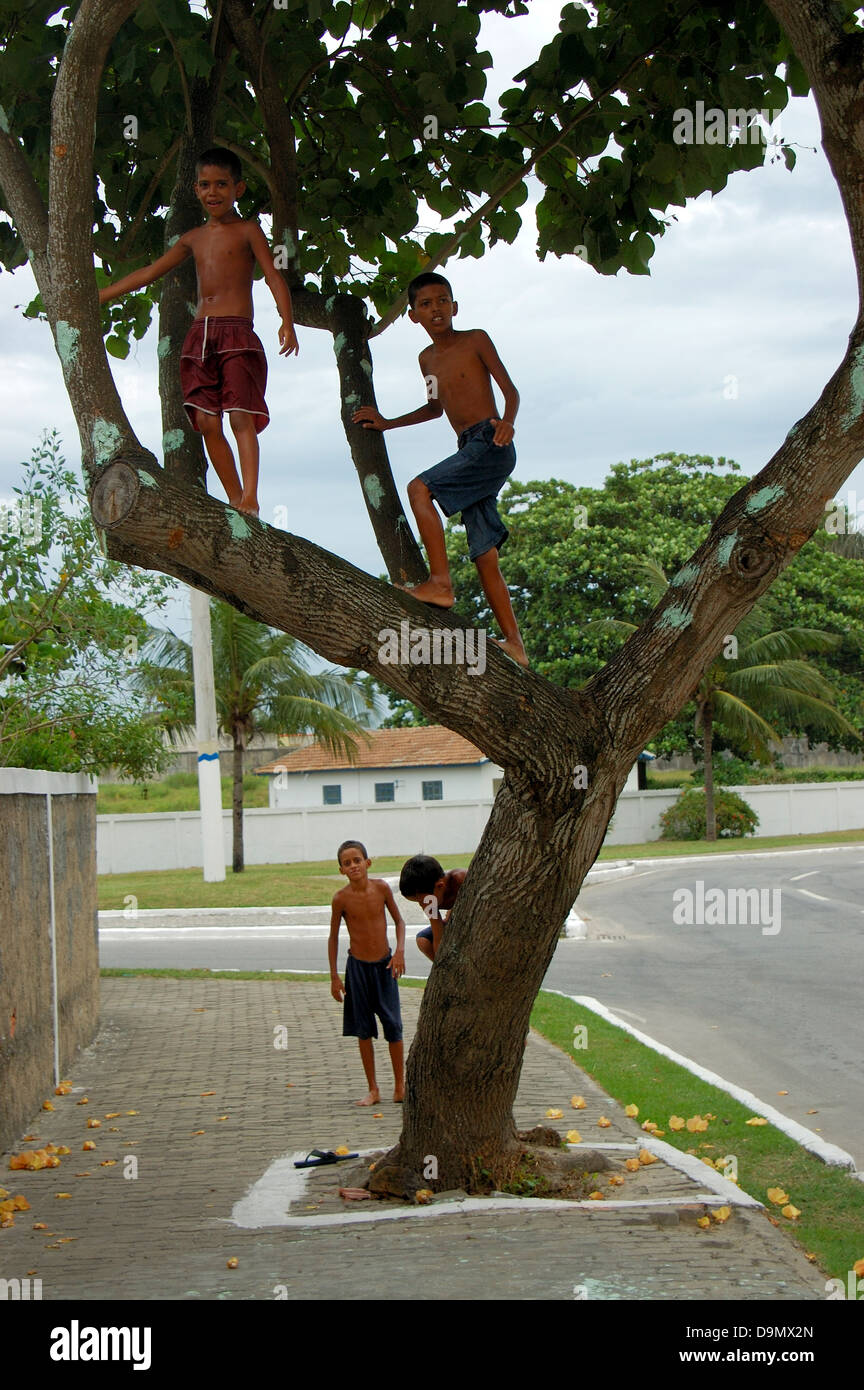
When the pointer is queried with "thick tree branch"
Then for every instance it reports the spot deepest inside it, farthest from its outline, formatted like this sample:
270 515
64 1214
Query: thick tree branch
758 533
339 611
98 410
26 206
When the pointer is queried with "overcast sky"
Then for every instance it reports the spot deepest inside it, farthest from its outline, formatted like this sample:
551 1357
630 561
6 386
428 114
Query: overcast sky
731 339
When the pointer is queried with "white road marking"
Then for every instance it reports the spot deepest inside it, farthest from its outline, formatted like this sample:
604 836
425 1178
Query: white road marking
835 902
830 1154
810 873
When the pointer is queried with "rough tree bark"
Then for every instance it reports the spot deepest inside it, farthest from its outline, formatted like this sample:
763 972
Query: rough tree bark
545 828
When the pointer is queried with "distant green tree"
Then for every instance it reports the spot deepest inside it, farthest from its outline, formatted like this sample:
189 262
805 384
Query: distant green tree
262 686
578 552
758 675
70 628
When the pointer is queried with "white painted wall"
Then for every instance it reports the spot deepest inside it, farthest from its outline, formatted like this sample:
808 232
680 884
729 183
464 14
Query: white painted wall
304 790
127 844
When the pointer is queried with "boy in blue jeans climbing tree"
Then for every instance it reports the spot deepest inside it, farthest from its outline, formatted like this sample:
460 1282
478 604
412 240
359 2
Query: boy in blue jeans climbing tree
459 368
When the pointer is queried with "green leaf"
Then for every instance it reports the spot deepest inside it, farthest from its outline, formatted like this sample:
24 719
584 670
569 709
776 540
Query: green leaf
117 346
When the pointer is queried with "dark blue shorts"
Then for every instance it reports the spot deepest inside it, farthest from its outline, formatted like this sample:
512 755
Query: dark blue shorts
369 990
426 934
469 482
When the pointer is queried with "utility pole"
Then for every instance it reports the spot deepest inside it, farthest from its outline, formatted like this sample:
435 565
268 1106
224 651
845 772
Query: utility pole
207 738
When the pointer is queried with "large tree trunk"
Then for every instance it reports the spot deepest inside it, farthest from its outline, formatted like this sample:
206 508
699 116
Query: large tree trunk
464 1067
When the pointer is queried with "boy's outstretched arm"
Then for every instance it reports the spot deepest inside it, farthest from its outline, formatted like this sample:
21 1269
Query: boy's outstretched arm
278 288
139 278
499 374
397 964
337 989
372 419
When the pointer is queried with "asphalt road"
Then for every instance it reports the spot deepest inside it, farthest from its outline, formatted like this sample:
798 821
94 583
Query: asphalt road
769 1009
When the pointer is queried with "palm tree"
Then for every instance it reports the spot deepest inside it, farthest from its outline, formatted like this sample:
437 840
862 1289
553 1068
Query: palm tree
760 675
765 674
262 686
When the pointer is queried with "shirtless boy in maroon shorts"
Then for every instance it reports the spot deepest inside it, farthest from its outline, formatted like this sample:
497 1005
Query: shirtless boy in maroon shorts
222 365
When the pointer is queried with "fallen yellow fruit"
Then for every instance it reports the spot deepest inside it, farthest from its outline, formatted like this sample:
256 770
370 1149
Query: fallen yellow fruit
858 1268
94 1124
595 1196
554 1114
722 1214
616 1180
676 1122
696 1124
424 1195
574 1137
777 1196
791 1212
632 1111
756 1120
232 1263
578 1102
88 1144
342 1149
62 1194
649 1125
632 1165
703 1221
46 1105
603 1123
646 1157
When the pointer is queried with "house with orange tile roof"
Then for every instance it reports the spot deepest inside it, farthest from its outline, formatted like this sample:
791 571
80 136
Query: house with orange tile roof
394 767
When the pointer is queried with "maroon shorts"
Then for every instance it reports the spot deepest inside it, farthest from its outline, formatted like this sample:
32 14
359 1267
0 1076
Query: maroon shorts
223 367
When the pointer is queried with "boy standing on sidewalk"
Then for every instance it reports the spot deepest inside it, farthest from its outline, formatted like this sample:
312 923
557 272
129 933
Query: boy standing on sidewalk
459 368
371 972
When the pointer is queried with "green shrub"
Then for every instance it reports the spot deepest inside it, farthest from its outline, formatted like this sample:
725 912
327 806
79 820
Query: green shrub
686 819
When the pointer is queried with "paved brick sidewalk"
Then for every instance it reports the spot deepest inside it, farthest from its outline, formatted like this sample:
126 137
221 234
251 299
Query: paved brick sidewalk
167 1232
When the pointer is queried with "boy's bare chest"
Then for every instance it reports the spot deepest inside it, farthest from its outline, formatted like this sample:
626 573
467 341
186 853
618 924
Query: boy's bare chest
455 367
364 909
223 247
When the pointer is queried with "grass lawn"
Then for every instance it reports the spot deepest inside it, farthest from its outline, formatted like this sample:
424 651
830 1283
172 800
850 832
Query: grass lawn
313 885
663 849
179 792
260 885
831 1225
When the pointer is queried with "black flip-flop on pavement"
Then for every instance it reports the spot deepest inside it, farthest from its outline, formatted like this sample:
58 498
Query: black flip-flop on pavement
317 1158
